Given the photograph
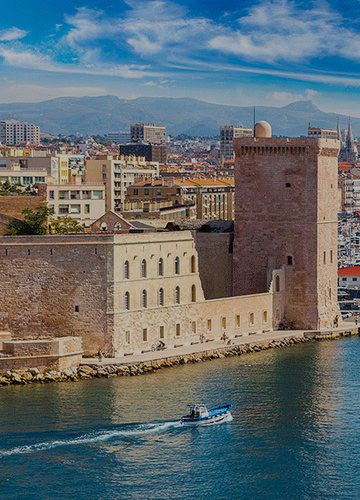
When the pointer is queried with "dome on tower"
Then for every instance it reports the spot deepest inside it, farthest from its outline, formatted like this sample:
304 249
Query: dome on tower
263 129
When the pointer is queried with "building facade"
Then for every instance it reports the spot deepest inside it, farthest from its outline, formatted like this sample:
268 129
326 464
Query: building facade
16 133
151 152
82 202
286 217
117 173
227 134
148 133
121 293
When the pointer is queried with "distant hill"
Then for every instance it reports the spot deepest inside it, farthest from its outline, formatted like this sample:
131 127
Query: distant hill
98 115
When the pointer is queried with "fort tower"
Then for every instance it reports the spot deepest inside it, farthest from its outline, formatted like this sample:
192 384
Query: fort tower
286 205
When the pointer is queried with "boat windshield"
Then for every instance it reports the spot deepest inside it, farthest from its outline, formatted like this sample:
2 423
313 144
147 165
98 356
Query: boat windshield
197 411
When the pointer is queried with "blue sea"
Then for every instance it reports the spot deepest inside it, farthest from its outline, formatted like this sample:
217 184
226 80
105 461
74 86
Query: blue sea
295 433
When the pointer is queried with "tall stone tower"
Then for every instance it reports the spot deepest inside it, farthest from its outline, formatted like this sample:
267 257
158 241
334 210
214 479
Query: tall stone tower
286 204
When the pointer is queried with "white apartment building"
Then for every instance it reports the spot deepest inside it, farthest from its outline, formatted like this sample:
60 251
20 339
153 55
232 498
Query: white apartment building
322 133
352 195
148 133
117 173
227 134
13 172
16 133
83 202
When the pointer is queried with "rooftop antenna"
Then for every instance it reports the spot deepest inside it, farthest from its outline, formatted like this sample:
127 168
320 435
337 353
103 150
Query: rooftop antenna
254 119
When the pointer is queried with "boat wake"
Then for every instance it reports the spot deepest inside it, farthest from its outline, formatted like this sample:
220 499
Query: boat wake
94 437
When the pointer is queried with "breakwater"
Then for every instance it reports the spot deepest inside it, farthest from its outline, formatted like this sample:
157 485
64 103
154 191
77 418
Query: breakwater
99 370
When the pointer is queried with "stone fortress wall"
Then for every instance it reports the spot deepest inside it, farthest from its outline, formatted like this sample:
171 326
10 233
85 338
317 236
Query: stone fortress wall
93 286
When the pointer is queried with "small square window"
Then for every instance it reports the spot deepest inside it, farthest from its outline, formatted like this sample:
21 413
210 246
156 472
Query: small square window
288 185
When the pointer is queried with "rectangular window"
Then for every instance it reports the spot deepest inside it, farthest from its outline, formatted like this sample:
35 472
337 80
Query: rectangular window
39 179
74 209
146 192
331 256
75 195
63 195
51 195
145 335
63 209
237 320
87 209
77 309
223 323
127 338
265 316
97 195
252 319
324 257
86 195
177 330
161 332
135 192
209 325
193 326
354 279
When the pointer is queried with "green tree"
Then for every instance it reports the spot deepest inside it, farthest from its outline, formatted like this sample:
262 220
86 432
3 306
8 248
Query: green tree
66 225
35 222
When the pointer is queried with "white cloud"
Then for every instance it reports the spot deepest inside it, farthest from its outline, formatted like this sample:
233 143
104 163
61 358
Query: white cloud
12 34
281 30
30 59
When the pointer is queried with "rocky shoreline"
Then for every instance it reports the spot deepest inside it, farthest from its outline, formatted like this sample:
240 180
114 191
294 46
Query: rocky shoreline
87 371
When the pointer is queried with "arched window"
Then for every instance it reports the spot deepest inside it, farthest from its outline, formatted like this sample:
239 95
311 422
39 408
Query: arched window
177 265
127 301
143 268
177 295
193 264
161 297
161 267
144 299
126 270
193 293
277 283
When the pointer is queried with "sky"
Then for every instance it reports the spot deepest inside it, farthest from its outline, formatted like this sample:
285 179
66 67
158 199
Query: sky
263 52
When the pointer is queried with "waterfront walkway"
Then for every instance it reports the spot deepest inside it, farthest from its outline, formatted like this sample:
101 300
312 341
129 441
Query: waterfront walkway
259 338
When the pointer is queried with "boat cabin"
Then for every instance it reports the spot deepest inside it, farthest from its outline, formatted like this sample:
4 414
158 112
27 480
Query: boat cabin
198 411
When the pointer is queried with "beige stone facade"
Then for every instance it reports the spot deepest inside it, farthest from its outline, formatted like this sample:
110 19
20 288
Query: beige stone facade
286 218
121 293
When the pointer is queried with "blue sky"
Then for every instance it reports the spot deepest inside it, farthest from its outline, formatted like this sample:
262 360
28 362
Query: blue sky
264 52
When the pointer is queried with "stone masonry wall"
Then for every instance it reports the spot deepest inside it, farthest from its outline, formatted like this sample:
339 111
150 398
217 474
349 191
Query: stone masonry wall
56 286
215 263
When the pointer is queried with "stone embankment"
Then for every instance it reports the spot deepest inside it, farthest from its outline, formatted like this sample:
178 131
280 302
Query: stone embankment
84 371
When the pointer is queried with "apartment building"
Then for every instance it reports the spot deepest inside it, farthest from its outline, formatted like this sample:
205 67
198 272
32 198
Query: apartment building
148 133
16 133
211 198
117 173
322 133
227 134
80 201
15 173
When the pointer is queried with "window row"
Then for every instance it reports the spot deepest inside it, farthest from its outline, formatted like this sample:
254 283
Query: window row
193 327
160 297
160 267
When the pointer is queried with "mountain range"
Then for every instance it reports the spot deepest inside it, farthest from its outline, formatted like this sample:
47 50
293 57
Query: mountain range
102 114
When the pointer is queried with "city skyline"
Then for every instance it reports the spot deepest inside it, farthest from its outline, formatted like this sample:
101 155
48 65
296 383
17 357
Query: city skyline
269 52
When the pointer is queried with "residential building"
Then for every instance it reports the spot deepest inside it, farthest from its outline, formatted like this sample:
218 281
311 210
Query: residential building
227 134
286 218
349 277
151 152
322 133
84 202
16 133
14 172
148 133
200 198
117 173
118 137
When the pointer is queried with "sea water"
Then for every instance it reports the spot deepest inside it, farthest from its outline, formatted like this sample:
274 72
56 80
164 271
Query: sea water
295 432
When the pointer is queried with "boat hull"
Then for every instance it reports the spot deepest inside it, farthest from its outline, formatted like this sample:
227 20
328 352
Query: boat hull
211 420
